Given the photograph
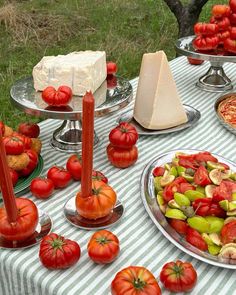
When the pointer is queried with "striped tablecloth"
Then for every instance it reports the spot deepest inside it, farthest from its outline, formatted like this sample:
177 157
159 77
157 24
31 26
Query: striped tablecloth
141 242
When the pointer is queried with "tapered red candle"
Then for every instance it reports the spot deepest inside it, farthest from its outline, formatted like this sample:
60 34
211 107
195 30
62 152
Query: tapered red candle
6 185
87 144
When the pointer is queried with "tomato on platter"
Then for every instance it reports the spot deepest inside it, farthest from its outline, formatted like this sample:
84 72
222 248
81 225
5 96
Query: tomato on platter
25 139
228 232
41 188
111 68
74 166
124 135
230 45
158 171
169 191
14 176
179 225
223 23
233 33
232 4
178 276
29 129
206 207
111 81
135 280
60 176
122 158
222 192
2 127
26 223
232 19
33 162
99 204
60 97
98 175
195 61
13 145
183 187
57 252
223 35
103 247
204 157
205 29
201 176
194 238
220 11
205 43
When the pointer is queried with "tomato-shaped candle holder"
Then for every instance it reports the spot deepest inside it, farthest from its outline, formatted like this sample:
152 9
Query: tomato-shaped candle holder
215 79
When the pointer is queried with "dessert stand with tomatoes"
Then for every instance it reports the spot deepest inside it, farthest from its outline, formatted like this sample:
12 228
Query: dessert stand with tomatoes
68 136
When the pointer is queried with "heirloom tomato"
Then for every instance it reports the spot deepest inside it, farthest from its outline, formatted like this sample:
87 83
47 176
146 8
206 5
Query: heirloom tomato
29 129
228 232
103 247
205 29
74 166
33 162
195 61
13 145
124 136
56 252
135 280
220 11
205 43
232 4
60 97
179 225
25 139
223 23
122 158
230 45
223 35
233 33
2 128
201 176
41 188
97 175
60 176
99 204
111 68
232 19
194 238
14 176
178 276
26 222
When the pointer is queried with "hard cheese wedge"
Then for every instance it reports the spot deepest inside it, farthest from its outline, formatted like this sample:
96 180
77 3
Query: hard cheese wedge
157 103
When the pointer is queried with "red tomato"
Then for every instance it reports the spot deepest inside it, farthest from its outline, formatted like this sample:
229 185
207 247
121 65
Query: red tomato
33 156
228 232
14 176
178 276
194 238
201 176
202 206
216 210
13 145
220 11
205 43
204 157
42 188
60 176
179 225
188 161
111 81
223 35
158 171
2 128
222 192
232 19
60 97
74 166
122 158
205 29
233 33
223 23
97 175
195 61
26 223
103 247
135 280
29 129
232 4
169 191
183 187
56 252
124 135
111 68
25 139
179 180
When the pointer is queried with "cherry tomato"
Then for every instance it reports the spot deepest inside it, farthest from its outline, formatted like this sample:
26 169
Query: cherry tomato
60 176
124 135
111 68
201 176
60 97
33 157
42 188
158 171
29 129
205 29
179 225
122 158
178 276
232 4
74 166
228 232
219 11
97 175
13 145
14 176
195 61
56 252
111 81
2 128
223 23
103 247
194 238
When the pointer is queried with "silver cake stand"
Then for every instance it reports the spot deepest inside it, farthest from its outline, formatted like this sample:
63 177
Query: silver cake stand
215 79
68 136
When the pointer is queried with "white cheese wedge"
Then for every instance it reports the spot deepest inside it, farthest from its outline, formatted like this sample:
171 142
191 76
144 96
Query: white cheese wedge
82 71
157 104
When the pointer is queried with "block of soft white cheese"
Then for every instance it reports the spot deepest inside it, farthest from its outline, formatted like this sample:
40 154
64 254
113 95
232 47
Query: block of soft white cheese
157 104
82 71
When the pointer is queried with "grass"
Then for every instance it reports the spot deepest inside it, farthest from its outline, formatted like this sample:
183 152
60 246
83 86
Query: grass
124 29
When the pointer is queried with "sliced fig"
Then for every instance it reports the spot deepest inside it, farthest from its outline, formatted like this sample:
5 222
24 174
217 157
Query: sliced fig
188 177
209 189
181 199
200 189
215 176
188 211
172 204
224 204
161 203
173 171
207 239
215 238
233 176
229 219
194 195
167 166
232 206
175 213
231 213
225 174
216 224
214 249
228 251
165 180
215 165
234 196
157 183
180 169
199 223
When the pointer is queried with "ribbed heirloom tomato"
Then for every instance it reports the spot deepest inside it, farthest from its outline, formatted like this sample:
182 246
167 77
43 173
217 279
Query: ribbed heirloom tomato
33 162
206 42
123 136
220 11
205 29
135 280
60 97
74 166
60 176
41 188
29 129
122 158
13 145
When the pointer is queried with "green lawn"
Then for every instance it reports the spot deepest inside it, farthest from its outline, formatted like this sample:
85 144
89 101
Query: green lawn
124 29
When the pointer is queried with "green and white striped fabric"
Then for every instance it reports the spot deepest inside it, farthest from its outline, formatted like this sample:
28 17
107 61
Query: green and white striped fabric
141 242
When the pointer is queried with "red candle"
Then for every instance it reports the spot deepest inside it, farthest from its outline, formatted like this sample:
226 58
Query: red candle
6 185
87 144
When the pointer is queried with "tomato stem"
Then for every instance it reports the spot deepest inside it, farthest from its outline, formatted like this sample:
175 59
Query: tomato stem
139 284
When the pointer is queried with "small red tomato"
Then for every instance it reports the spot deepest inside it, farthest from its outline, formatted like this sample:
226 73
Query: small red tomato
123 136
194 238
29 129
122 158
14 176
60 97
179 225
60 176
33 156
178 276
41 188
158 171
201 176
202 206
25 139
220 11
206 43
111 68
103 247
223 23
183 187
205 29
2 128
228 232
74 166
111 81
13 145
230 45
56 252
232 4
233 33
232 19
97 175
195 61
204 157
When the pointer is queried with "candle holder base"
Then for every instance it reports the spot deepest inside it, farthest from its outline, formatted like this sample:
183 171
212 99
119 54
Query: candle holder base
76 220
43 228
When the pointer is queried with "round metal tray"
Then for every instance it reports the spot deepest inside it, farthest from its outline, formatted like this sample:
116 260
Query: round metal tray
149 200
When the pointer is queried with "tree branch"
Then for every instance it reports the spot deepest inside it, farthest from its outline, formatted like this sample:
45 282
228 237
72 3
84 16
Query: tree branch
175 6
196 5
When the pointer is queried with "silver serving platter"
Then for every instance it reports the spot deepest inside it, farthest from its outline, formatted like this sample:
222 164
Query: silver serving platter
149 200
222 121
193 116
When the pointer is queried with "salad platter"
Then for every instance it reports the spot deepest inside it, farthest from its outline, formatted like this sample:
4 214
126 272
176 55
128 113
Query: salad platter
163 218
